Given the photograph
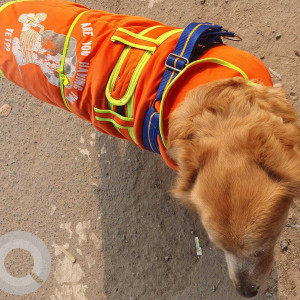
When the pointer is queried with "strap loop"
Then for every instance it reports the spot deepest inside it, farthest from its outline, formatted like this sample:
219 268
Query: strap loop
176 62
64 79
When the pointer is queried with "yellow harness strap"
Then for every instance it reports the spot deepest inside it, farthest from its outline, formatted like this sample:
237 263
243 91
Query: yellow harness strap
200 61
62 77
132 41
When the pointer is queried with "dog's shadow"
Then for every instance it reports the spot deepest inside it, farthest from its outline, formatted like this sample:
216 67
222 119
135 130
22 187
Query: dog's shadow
148 238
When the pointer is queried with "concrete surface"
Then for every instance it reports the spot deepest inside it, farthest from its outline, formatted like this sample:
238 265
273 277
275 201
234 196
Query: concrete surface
105 201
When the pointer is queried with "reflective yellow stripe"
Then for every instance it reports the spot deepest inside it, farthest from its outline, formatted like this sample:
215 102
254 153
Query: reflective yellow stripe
12 2
150 28
107 111
128 98
1 73
149 130
112 81
159 41
133 81
113 77
8 4
166 35
252 83
112 121
138 35
130 110
131 133
116 125
138 46
136 74
62 77
200 61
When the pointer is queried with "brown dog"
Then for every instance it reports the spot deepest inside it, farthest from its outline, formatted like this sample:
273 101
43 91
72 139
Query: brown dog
236 145
238 151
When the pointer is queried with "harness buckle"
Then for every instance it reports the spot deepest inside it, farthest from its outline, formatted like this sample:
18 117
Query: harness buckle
172 67
63 77
234 38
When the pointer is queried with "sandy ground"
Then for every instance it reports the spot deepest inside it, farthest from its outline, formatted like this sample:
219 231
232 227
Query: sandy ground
105 202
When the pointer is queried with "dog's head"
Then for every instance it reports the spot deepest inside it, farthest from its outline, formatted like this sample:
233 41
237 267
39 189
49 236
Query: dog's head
238 151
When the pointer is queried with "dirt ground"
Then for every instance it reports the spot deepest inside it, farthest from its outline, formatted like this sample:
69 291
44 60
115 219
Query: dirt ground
106 203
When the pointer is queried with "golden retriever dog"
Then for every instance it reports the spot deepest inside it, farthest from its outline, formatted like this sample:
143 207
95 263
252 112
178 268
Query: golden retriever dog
236 144
238 151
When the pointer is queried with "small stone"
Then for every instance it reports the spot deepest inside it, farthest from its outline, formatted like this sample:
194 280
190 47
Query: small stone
226 1
269 295
297 53
293 285
292 94
278 36
275 289
167 258
274 73
5 110
214 288
124 237
278 85
262 57
284 245
202 2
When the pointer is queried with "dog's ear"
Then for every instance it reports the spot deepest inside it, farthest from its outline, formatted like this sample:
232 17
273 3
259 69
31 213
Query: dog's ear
291 187
190 156
188 145
277 153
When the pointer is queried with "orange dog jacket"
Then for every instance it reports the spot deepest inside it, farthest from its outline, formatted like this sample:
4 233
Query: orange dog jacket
106 68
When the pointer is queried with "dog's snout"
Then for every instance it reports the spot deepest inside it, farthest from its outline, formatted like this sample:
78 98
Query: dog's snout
246 287
247 292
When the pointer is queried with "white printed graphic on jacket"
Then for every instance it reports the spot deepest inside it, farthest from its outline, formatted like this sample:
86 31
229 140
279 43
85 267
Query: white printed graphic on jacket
43 48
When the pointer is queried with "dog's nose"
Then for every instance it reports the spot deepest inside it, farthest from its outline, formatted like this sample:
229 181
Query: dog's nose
247 292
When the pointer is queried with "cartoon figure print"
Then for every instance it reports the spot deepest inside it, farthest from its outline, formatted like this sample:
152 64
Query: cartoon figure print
44 48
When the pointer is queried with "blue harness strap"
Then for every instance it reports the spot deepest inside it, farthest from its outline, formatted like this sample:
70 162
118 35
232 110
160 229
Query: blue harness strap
196 38
151 130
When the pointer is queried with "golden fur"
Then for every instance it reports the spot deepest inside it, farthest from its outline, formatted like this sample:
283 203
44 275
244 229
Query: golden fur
238 151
